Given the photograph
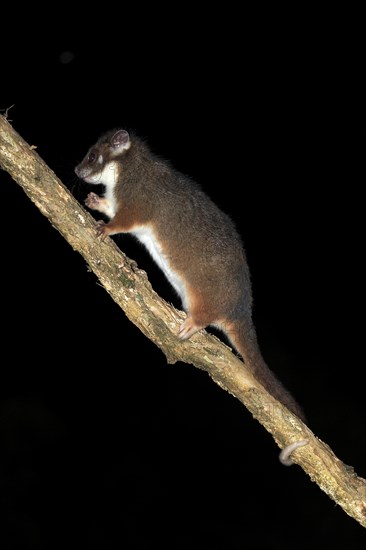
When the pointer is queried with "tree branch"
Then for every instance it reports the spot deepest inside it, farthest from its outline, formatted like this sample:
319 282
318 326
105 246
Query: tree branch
159 321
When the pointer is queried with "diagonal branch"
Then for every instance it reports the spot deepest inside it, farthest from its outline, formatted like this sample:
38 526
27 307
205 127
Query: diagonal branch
159 321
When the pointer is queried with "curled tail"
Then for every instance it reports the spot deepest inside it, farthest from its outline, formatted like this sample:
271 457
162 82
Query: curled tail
243 336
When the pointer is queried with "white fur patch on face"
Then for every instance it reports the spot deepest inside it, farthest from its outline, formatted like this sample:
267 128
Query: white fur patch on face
107 175
93 178
100 159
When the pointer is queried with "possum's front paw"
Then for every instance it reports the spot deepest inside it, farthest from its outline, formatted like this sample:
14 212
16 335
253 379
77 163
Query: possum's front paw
93 201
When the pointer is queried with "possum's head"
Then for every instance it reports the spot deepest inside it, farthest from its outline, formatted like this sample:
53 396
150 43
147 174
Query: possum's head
100 163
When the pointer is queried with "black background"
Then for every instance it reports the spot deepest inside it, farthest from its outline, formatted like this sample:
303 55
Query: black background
102 442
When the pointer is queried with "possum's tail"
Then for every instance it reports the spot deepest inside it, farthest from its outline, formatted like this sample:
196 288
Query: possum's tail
243 336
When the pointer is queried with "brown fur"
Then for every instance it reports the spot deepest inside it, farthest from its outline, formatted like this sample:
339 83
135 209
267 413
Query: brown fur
197 239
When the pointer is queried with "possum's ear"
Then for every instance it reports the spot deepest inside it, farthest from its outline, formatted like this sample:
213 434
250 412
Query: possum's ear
120 141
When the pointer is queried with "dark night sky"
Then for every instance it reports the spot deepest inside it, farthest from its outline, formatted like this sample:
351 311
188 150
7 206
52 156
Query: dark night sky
118 452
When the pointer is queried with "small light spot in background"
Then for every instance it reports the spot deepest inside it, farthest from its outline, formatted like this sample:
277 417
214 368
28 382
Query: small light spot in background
66 57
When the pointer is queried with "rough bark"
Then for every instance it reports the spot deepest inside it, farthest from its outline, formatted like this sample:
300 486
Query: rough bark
130 289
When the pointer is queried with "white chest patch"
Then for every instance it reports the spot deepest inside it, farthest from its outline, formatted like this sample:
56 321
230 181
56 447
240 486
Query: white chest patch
146 236
109 176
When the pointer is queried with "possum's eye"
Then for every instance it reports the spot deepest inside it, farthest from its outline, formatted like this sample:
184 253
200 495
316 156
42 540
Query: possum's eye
92 157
